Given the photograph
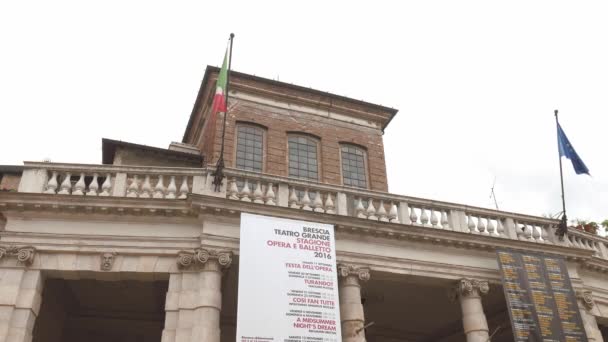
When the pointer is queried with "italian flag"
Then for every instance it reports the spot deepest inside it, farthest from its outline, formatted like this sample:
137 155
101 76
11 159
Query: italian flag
219 100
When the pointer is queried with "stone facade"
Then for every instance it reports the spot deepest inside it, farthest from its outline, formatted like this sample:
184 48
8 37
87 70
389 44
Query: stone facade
151 253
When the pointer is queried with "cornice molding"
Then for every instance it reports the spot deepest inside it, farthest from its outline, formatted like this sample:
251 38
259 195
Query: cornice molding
197 205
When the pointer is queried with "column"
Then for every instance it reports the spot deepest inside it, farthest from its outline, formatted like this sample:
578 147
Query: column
586 305
194 299
468 292
351 309
20 298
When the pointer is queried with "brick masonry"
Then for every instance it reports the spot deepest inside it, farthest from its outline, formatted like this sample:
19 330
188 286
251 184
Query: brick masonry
279 122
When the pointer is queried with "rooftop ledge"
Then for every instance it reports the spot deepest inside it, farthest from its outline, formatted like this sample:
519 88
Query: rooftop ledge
177 184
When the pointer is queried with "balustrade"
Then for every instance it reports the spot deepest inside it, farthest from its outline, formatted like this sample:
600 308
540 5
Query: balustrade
85 183
245 186
104 180
485 225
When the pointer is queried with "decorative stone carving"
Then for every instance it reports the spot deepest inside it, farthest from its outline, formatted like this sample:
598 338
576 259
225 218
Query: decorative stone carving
586 298
186 259
350 270
467 287
24 254
107 261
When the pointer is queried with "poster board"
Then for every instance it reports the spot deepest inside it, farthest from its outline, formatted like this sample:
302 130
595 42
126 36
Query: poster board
542 304
288 286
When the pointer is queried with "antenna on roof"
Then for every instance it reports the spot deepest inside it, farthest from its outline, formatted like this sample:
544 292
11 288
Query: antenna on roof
493 194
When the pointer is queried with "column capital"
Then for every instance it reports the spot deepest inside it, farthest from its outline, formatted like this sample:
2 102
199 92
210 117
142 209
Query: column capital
469 287
585 297
201 256
24 254
362 273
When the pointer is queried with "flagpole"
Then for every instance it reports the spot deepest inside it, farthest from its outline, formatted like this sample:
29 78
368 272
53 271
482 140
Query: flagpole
563 226
219 168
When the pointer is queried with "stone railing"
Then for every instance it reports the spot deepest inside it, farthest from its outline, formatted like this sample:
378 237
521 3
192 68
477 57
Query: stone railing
239 185
110 180
379 206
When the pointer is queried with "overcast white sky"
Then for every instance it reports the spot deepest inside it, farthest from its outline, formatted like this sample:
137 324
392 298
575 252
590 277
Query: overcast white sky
475 82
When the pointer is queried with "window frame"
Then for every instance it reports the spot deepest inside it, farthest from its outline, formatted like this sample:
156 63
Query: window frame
236 143
365 165
317 142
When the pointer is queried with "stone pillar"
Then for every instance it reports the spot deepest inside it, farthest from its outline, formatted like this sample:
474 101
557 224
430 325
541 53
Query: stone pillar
586 305
351 309
20 298
194 299
468 292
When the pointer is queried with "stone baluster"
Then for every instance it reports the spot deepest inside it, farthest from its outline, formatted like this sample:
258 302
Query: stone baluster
194 300
66 185
535 233
527 231
468 292
413 216
371 210
445 223
318 203
159 188
258 195
352 315
544 234
500 228
382 216
93 186
393 213
519 231
146 188
80 186
233 190
586 304
293 199
572 240
51 186
481 226
171 189
434 219
183 189
306 201
471 224
270 196
424 217
330 208
106 186
246 192
359 209
491 227
133 189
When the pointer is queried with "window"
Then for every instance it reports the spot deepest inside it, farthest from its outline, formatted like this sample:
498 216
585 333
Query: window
303 162
249 147
353 166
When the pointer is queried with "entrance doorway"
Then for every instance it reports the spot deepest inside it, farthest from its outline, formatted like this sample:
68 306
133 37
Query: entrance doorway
96 311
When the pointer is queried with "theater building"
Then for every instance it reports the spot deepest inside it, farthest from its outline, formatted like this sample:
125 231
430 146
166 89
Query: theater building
142 248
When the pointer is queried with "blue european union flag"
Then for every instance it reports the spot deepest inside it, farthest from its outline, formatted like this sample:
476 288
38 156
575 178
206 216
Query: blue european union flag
567 150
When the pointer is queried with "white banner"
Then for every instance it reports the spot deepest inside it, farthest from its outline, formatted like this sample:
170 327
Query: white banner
288 286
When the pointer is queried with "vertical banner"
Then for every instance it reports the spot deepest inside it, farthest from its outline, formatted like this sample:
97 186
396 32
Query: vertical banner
542 304
288 286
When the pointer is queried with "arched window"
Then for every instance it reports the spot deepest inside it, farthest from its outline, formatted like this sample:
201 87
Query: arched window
303 157
249 147
353 166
